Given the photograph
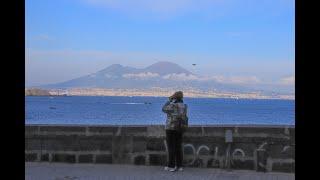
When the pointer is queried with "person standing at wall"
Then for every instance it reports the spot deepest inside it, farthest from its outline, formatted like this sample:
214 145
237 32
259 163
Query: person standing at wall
176 124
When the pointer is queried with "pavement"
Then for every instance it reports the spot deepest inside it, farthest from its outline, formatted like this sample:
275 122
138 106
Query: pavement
64 171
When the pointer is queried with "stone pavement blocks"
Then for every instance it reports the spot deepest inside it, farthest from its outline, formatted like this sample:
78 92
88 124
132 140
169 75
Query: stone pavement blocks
104 158
156 144
32 144
122 144
157 159
61 143
94 143
247 148
198 163
292 135
30 130
30 157
280 151
195 144
209 131
155 131
203 140
188 161
85 158
104 130
261 160
138 131
140 160
283 167
220 148
62 129
69 158
213 163
242 164
203 146
122 158
204 151
187 150
44 157
139 144
260 140
260 130
194 131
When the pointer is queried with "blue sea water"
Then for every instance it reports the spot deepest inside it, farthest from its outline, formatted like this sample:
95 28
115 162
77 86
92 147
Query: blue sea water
112 110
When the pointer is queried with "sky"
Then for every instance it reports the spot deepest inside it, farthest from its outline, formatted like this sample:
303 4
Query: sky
239 39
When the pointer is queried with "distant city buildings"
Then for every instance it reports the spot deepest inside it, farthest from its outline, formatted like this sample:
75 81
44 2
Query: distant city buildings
164 92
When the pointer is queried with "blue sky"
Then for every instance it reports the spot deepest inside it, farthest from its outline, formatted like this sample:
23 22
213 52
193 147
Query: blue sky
232 38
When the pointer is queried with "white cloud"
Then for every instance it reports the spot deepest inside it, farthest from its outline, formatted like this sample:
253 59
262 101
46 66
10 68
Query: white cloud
220 79
180 77
290 80
235 79
144 75
244 80
109 76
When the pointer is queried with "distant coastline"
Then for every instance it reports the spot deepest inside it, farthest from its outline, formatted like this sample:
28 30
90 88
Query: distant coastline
153 92
36 92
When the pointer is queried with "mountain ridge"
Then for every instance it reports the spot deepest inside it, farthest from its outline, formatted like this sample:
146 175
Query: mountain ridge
161 74
117 75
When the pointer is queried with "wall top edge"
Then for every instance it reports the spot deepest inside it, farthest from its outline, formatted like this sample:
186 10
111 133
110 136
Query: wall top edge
218 125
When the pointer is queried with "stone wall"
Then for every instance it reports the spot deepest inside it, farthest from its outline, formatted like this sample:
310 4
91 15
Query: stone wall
258 148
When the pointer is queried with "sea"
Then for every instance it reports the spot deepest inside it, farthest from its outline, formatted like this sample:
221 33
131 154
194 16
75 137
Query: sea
137 110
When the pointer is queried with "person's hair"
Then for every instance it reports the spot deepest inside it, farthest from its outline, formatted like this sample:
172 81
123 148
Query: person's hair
178 96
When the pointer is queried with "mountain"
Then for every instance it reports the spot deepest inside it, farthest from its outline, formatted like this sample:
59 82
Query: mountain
161 74
163 68
118 76
117 69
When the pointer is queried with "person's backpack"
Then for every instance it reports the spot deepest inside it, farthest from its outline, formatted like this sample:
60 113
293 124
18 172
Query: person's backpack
180 115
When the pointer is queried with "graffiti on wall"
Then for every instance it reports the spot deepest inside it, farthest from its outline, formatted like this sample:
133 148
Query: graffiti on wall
204 156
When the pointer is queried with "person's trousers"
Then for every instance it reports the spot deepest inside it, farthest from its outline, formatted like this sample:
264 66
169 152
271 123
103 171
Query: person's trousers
174 142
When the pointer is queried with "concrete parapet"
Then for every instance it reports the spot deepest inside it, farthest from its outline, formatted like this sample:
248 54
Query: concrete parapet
262 148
